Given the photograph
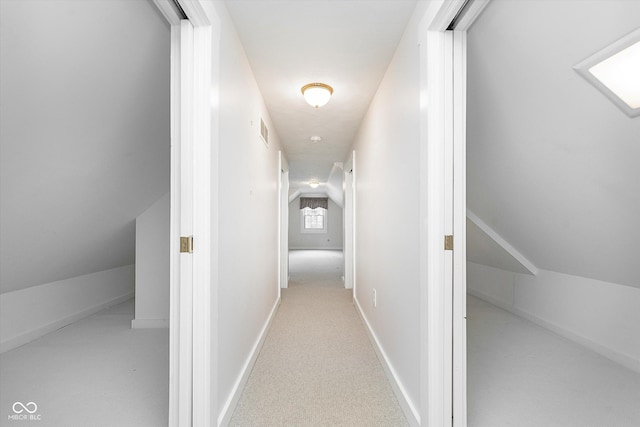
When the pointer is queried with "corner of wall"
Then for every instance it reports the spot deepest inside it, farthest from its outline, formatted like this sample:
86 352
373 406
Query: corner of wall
224 417
30 313
407 405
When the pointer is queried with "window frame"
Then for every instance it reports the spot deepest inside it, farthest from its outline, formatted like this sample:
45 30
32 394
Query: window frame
325 221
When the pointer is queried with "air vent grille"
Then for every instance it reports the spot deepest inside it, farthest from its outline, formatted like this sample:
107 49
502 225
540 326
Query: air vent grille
264 132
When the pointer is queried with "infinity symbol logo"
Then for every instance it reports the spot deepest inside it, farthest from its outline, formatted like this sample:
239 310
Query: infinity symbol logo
30 407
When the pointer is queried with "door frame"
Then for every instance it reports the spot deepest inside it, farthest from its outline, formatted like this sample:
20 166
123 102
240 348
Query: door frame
193 287
283 222
443 373
349 222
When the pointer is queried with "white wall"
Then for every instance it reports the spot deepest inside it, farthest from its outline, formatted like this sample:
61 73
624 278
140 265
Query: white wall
30 313
332 239
152 266
248 199
84 139
387 216
552 164
603 316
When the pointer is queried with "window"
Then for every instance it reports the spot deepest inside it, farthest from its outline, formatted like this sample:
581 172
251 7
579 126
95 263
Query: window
314 220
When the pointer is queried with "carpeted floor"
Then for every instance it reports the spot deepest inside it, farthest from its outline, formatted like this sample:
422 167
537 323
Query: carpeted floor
317 366
522 375
95 372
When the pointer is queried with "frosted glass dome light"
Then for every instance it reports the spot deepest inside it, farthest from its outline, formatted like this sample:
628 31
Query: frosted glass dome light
317 94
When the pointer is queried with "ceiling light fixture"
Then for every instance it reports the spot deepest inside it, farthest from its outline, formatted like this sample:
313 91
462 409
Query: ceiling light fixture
315 138
317 94
314 183
614 71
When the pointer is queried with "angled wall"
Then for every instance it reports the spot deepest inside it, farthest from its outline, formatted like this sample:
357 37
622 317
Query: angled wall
602 316
28 314
552 163
84 141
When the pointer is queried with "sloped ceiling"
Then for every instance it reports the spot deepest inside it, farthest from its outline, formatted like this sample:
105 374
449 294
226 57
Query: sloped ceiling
483 249
553 164
347 44
84 134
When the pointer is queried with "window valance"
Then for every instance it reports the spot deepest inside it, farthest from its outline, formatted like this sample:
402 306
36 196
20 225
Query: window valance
314 202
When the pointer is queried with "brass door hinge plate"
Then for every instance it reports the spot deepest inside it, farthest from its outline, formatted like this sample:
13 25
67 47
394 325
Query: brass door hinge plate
186 245
448 243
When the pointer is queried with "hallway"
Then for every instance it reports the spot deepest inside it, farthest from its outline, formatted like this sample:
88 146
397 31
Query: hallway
317 366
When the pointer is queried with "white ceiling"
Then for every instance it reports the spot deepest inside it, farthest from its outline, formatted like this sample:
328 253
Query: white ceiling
553 165
347 44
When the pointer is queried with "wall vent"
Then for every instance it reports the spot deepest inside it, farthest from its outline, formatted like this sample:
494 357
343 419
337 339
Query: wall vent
264 132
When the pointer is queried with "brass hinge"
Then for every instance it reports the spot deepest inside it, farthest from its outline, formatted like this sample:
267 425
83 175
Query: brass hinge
448 243
186 244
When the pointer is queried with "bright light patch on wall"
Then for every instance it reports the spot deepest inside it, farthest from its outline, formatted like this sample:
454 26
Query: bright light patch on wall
615 70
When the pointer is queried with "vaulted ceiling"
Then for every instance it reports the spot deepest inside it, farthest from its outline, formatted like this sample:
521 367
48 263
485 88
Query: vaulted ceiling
552 163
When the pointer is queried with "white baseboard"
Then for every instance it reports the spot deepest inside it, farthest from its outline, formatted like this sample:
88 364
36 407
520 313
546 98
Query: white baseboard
232 401
149 323
306 248
405 402
36 333
620 358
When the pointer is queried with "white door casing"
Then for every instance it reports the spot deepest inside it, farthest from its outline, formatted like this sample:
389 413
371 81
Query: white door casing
283 222
443 211
193 296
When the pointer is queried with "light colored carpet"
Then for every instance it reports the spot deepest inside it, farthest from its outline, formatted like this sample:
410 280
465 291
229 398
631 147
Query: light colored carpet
317 366
522 375
95 372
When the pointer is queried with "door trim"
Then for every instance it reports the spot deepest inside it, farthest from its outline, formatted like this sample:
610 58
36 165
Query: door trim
443 211
193 289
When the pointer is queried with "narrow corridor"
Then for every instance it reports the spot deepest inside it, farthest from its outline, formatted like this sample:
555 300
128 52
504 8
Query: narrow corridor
317 366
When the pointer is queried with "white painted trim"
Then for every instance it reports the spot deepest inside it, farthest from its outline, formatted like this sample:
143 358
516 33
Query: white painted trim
149 323
307 248
42 330
174 231
185 284
283 222
442 186
407 405
473 12
432 298
354 223
295 194
459 387
348 225
618 357
232 401
195 11
193 294
203 304
502 242
168 10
